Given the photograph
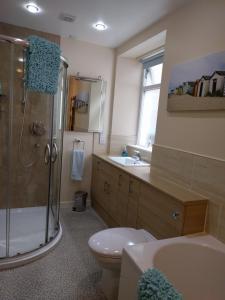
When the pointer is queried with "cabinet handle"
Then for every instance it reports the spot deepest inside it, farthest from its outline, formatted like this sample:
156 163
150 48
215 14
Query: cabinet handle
175 215
98 165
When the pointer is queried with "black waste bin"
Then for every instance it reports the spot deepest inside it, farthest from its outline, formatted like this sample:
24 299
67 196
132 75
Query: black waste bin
80 199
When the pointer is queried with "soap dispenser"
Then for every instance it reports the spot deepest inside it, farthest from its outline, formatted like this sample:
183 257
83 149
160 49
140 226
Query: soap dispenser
124 152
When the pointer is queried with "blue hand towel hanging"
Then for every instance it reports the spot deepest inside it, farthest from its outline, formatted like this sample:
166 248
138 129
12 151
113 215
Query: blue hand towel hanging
77 164
42 65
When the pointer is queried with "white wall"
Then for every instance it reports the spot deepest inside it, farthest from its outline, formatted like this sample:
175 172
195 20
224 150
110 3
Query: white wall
194 31
126 96
90 60
126 103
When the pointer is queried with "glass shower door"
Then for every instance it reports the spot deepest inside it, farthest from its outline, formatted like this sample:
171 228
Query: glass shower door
56 155
5 80
31 134
29 155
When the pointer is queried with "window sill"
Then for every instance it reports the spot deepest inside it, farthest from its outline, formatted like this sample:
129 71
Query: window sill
146 153
149 150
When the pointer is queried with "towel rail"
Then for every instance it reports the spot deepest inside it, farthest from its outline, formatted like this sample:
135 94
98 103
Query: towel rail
78 142
24 43
84 78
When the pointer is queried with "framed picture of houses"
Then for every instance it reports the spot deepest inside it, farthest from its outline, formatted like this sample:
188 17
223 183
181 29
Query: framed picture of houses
198 84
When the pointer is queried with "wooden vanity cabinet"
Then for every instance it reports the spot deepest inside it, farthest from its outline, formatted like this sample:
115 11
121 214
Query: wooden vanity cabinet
123 200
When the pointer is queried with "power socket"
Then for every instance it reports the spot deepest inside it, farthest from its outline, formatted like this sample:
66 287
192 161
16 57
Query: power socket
102 138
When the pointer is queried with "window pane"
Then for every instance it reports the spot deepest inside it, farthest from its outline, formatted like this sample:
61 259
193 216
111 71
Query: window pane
153 75
148 118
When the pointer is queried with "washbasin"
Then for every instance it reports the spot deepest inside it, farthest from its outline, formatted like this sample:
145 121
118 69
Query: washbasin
128 161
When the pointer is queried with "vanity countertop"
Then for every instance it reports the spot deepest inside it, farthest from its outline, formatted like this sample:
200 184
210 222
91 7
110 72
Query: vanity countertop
151 176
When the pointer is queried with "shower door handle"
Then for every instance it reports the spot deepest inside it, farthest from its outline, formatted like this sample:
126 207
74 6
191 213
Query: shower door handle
47 154
54 152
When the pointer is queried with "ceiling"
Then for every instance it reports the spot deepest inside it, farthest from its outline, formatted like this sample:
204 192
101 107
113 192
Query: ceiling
124 18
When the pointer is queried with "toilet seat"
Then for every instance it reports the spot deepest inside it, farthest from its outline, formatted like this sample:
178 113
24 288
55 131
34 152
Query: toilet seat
109 243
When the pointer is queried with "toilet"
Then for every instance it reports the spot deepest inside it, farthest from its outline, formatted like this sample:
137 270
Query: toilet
107 246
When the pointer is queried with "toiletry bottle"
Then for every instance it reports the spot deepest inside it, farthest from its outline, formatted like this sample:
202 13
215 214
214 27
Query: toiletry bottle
124 152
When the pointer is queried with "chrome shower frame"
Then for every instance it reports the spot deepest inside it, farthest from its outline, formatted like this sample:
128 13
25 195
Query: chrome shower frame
15 261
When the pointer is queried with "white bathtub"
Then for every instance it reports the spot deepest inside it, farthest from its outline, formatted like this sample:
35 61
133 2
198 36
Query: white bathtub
194 265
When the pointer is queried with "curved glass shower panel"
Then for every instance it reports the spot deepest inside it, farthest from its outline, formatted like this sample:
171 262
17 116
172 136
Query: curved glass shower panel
57 148
31 136
5 79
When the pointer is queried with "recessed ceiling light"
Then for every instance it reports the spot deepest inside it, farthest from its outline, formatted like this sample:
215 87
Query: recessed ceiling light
100 26
32 7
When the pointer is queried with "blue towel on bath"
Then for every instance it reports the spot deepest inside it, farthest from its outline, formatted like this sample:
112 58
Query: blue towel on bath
42 65
77 164
153 285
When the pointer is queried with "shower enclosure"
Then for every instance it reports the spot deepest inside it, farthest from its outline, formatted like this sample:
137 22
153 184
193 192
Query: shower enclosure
31 133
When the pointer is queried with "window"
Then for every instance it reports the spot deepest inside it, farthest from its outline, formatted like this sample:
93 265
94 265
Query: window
152 73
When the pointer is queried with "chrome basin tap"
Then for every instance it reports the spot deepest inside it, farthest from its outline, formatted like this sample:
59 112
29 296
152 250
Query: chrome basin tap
136 155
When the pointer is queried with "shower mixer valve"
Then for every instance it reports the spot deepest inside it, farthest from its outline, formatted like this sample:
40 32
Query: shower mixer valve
37 128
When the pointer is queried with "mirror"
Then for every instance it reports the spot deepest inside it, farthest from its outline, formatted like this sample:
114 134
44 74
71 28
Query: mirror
86 104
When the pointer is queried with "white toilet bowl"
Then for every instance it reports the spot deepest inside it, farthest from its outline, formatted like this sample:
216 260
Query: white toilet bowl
107 246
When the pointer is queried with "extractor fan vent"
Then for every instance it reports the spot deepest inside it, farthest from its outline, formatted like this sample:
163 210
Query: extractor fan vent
67 17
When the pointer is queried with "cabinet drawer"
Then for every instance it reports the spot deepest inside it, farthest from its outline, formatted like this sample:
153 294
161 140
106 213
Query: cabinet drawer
160 213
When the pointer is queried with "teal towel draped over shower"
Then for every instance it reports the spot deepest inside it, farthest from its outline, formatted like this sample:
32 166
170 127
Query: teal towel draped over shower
153 285
42 65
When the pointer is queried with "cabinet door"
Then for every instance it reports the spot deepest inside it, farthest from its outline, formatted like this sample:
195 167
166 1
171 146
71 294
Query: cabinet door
112 180
133 201
134 188
95 180
121 212
122 198
103 191
118 183
132 212
123 182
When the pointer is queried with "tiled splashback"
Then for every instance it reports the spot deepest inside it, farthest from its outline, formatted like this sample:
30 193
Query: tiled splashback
117 142
201 174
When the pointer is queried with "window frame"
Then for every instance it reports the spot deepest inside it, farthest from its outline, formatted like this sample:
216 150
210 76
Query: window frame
150 61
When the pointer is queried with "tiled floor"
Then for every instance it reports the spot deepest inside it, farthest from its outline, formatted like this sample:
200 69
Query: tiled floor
68 272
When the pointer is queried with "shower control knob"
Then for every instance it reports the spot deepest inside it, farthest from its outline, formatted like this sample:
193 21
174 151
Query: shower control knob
37 128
